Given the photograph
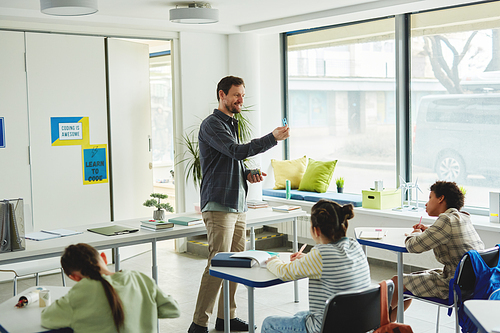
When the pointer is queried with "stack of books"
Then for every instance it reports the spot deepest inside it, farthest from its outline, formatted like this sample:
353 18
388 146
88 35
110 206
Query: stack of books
285 208
186 220
254 204
156 225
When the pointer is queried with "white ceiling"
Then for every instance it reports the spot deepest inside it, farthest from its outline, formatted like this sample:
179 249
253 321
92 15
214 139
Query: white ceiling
149 18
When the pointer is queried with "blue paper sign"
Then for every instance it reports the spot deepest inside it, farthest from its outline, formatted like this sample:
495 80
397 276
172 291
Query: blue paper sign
95 166
2 132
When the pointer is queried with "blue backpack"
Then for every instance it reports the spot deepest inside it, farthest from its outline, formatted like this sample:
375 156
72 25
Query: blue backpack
487 285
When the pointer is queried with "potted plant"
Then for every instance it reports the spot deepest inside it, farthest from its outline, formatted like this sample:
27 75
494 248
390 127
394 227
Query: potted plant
158 214
340 184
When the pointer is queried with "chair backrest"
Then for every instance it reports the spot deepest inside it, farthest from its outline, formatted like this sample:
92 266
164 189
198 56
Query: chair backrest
466 279
354 311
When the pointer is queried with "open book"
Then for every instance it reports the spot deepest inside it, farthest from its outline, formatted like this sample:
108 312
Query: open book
259 257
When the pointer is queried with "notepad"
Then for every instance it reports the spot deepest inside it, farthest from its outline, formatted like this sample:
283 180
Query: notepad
371 235
113 230
50 234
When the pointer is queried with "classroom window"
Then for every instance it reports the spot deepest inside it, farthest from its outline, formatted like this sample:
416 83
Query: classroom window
341 101
455 60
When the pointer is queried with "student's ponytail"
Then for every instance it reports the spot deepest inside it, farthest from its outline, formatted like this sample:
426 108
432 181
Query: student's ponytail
85 259
331 218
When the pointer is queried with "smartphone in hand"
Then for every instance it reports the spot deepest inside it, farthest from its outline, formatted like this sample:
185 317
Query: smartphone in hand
284 122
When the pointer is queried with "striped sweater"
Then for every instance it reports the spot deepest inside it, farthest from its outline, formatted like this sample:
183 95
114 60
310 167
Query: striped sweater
331 268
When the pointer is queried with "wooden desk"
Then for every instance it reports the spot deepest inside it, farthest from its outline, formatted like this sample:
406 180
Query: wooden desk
393 241
484 314
27 319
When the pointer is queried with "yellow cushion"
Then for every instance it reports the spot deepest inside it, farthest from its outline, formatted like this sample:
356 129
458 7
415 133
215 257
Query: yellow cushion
317 176
289 169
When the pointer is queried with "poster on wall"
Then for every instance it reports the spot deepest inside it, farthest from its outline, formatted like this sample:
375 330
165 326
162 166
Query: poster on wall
2 132
69 131
95 164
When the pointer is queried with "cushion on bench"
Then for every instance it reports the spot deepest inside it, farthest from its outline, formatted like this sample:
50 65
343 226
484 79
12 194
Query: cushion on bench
341 198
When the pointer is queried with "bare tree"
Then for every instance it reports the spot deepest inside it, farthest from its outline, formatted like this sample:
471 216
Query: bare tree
446 74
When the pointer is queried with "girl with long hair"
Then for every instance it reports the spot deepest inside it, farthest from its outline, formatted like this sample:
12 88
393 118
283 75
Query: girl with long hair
104 301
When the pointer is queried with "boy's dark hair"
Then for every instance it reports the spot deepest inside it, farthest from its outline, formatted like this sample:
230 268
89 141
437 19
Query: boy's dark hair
227 82
452 194
331 218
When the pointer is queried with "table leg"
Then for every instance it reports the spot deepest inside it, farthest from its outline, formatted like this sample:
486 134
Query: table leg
227 319
251 310
364 248
400 289
252 238
117 259
155 260
295 249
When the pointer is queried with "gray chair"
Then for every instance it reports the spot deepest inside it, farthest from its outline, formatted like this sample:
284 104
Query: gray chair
466 280
355 311
34 267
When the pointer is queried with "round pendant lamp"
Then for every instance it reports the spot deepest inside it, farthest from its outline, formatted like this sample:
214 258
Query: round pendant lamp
196 13
68 7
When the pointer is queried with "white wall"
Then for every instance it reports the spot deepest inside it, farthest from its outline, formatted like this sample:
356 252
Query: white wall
203 62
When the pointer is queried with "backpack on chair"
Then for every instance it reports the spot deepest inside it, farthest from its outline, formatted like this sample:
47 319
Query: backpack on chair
385 324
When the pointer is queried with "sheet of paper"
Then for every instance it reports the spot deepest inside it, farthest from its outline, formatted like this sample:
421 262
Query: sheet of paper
39 236
259 256
371 234
63 232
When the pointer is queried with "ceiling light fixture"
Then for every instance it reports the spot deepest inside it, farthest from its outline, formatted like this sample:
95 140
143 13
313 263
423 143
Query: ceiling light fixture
68 7
195 13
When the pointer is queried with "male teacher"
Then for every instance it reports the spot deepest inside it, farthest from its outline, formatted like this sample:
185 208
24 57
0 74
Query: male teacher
223 194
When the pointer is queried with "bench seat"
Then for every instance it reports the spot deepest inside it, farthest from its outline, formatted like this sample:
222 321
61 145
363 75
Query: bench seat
341 198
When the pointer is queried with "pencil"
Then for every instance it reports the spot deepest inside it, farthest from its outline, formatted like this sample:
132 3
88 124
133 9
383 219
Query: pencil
302 248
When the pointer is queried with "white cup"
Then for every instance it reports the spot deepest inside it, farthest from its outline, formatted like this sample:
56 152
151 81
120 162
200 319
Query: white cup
379 185
44 298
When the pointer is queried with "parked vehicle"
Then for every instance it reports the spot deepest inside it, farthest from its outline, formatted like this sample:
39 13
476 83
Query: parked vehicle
457 135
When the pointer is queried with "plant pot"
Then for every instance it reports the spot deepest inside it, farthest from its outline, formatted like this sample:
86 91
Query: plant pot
340 190
159 214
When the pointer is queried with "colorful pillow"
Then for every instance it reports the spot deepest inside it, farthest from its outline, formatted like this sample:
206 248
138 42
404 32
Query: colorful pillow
288 169
317 176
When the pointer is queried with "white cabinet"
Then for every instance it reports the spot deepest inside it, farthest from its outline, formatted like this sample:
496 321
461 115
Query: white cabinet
56 75
66 77
130 128
14 158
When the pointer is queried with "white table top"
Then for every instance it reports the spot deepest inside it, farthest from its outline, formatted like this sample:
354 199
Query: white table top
27 319
484 313
54 247
393 240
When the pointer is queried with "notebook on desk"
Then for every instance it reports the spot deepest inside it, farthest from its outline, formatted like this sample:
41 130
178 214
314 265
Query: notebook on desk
113 230
224 259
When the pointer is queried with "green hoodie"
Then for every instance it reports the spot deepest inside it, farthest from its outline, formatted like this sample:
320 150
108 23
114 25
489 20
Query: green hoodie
85 308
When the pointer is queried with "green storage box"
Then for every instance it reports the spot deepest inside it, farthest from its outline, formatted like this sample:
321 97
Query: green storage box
386 199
